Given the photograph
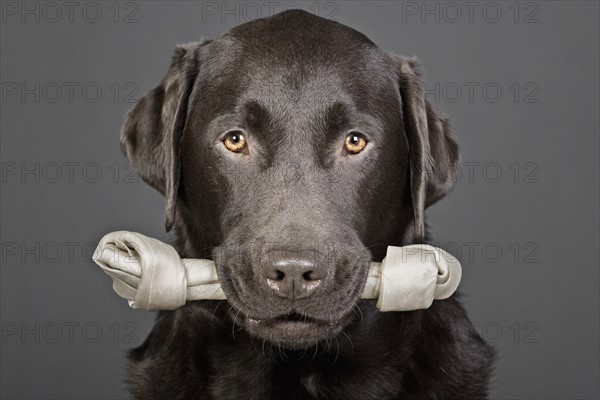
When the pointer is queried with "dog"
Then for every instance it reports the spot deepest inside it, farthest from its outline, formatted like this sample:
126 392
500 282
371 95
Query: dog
292 151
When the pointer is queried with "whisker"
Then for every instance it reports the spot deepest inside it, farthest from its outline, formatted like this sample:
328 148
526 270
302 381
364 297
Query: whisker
233 325
338 350
349 339
215 310
359 314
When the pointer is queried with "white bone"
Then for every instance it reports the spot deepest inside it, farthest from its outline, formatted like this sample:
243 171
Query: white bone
152 276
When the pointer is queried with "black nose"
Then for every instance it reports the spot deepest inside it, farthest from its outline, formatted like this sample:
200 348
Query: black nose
293 274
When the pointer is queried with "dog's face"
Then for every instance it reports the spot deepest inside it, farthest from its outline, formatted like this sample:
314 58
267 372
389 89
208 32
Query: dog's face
295 150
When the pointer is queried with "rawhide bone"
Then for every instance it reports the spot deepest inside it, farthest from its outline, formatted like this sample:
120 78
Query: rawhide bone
152 276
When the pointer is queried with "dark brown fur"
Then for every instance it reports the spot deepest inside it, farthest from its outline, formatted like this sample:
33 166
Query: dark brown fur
298 83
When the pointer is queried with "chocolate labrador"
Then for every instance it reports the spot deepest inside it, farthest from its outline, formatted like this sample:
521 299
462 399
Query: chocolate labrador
292 151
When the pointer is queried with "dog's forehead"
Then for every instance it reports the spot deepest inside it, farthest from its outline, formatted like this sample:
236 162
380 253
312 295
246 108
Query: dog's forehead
309 88
297 61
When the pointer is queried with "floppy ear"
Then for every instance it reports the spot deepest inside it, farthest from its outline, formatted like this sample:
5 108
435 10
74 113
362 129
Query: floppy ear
434 157
153 129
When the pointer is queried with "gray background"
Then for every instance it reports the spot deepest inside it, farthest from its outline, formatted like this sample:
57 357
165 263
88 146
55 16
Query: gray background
532 194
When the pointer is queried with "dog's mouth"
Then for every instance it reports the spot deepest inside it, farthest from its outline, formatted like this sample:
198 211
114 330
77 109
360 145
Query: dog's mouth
293 330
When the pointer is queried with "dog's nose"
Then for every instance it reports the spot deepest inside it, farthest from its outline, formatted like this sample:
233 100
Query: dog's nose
293 274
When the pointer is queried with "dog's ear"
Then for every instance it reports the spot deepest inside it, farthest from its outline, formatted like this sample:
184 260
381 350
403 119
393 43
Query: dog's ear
153 129
434 157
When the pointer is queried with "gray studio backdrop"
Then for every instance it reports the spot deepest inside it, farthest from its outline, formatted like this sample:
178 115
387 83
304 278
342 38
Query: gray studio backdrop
519 80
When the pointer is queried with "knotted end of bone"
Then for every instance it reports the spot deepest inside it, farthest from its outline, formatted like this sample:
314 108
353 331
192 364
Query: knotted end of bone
146 271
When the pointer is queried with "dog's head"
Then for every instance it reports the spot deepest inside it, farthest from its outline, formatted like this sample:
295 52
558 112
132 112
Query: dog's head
296 151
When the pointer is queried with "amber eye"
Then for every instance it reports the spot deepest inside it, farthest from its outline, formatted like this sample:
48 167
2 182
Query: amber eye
355 143
235 141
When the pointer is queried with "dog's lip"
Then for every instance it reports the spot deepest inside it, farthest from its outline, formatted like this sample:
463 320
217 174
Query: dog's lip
293 327
291 319
286 327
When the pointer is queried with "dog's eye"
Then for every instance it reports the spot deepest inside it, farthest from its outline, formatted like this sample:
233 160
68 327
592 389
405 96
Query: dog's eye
235 141
355 143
